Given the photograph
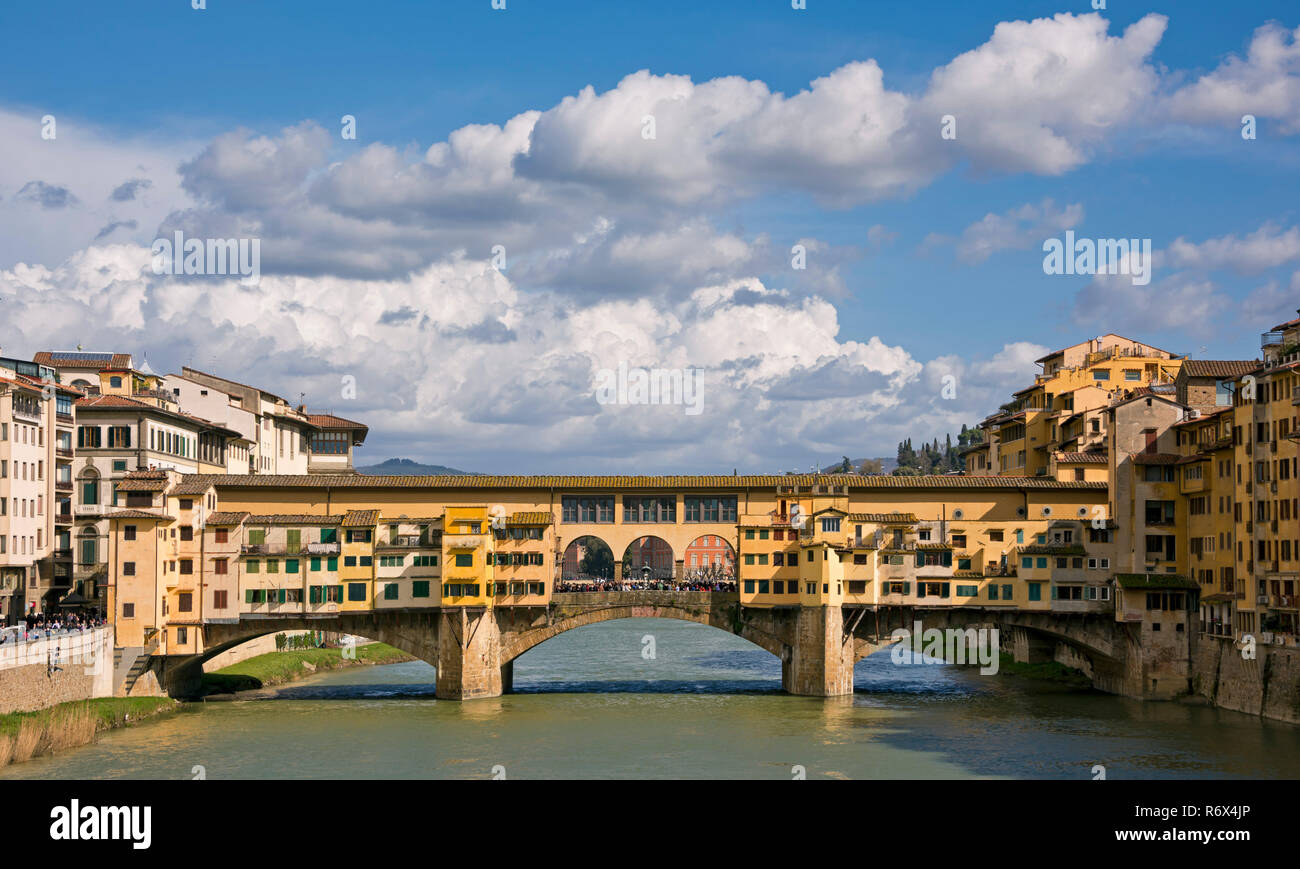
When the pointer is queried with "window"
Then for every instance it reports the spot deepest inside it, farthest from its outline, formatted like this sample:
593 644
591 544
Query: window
464 559
128 532
390 591
1101 374
222 535
587 509
710 509
1035 591
220 599
356 591
185 602
830 525
656 510
128 610
420 588
128 568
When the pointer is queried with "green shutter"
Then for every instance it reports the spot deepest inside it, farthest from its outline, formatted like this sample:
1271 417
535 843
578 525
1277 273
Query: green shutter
920 559
947 558
248 596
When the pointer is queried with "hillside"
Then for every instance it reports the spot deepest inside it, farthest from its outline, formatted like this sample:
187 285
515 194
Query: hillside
406 467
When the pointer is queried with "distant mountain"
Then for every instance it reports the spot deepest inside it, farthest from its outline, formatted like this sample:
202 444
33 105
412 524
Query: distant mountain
887 464
406 467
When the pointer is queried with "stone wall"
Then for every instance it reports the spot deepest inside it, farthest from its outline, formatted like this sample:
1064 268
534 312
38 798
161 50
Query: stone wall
1268 685
56 670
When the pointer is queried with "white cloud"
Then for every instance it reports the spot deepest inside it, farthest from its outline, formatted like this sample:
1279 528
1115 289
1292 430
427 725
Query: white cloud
1018 229
1266 83
1265 248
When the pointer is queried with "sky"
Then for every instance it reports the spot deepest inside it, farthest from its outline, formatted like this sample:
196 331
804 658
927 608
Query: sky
830 220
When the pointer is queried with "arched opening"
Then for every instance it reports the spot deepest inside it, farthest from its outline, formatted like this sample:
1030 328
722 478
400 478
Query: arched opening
587 560
710 558
672 653
648 559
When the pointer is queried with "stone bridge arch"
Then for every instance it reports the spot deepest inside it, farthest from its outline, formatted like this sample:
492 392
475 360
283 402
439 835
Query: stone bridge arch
771 635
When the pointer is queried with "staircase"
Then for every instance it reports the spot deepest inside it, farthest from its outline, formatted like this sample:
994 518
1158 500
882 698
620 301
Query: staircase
129 664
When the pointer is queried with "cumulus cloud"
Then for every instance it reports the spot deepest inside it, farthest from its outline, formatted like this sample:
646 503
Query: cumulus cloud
454 359
1265 83
1018 229
1265 248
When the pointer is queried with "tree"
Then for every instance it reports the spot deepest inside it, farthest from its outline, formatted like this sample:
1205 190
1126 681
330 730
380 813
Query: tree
846 467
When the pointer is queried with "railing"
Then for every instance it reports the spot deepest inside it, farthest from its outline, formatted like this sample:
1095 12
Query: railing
63 485
63 452
1271 339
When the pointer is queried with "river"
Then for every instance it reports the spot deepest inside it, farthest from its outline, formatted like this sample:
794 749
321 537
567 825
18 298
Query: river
592 703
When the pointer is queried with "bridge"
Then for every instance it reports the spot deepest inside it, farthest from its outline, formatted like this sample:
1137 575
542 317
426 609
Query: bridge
474 648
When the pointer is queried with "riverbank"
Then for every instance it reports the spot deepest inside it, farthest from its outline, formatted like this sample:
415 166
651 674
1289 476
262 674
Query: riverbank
1045 671
25 735
277 668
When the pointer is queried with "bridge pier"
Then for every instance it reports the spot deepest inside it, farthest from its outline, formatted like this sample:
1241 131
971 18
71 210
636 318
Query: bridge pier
508 677
469 655
820 663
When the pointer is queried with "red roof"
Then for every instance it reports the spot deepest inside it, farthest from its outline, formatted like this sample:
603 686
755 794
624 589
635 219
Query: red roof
55 359
329 420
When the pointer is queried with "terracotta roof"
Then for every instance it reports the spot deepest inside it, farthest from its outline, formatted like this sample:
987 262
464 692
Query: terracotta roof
1205 414
1219 367
1156 458
141 485
1280 326
55 359
190 487
360 518
147 474
884 518
138 514
536 517
721 481
1080 458
232 517
291 519
329 420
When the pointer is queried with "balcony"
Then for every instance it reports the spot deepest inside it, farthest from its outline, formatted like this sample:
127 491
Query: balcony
322 549
1271 339
63 452
63 554
89 510
63 485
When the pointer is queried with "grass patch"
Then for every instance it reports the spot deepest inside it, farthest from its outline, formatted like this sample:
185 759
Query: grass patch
1046 671
275 668
24 735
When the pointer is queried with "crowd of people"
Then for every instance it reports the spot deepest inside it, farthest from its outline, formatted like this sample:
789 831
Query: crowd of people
34 626
597 585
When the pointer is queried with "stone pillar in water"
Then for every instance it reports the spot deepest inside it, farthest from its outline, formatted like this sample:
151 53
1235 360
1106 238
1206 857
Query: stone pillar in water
821 658
469 654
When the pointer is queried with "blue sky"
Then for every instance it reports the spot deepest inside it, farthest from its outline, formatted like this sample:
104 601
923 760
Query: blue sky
229 117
